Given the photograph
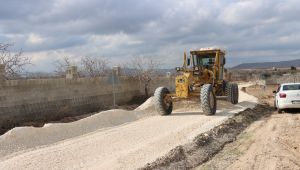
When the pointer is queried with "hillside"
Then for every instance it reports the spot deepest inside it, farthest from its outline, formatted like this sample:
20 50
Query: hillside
280 64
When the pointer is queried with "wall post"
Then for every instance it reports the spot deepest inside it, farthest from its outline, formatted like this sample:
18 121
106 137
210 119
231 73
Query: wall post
72 73
2 73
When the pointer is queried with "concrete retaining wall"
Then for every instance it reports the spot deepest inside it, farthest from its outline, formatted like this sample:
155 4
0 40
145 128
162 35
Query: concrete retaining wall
49 99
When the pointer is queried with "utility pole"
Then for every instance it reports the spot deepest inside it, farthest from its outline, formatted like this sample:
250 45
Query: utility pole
116 72
113 85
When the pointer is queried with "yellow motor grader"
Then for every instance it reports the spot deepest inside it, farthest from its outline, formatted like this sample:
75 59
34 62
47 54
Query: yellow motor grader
201 76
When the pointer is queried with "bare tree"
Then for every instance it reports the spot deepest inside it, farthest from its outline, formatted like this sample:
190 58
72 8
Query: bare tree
62 65
143 69
14 62
94 67
294 72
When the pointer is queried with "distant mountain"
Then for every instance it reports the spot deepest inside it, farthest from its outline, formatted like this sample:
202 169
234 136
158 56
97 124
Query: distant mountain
261 65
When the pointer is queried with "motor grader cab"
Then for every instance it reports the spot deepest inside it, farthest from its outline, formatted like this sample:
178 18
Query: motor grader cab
201 76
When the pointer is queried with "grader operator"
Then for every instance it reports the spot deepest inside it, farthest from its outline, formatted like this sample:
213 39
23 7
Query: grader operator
201 76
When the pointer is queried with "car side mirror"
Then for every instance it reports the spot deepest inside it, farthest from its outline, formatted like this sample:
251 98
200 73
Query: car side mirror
188 61
274 92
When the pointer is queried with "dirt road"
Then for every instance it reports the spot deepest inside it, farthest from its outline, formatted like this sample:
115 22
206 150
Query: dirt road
125 146
270 143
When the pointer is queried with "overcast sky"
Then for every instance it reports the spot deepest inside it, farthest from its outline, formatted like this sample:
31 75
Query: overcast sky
249 30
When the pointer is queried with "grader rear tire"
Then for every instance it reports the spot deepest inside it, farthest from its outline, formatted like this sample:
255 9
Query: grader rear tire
235 93
226 88
232 92
208 100
163 105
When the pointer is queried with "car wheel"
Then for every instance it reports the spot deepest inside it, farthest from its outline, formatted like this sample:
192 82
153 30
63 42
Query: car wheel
280 111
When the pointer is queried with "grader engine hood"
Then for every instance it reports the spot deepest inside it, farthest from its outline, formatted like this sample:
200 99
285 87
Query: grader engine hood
182 85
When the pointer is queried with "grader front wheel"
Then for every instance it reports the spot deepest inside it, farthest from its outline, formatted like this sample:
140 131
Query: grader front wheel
162 102
208 100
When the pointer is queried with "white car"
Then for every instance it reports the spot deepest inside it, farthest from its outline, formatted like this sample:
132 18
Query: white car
287 96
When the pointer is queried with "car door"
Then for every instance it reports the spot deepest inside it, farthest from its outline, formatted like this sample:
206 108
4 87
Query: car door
293 93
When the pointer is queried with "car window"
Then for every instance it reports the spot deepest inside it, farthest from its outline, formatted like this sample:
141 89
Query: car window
291 87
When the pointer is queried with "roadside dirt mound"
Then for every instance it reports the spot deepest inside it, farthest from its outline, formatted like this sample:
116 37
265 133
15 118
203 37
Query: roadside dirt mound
147 105
146 109
21 138
206 145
